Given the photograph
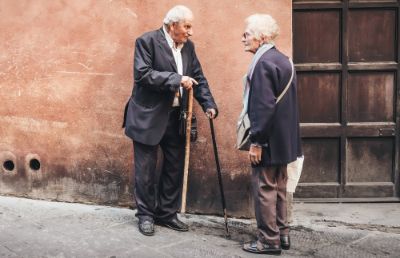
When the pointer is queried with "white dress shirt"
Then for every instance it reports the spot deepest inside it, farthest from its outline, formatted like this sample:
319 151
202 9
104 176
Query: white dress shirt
176 51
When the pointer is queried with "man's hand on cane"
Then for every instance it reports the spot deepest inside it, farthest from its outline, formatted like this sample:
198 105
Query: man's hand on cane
211 113
187 82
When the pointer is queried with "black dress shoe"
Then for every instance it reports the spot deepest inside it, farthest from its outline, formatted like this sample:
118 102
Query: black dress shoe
285 242
146 227
258 248
174 224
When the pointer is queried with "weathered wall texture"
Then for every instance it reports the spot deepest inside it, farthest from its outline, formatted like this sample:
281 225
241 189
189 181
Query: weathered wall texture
65 74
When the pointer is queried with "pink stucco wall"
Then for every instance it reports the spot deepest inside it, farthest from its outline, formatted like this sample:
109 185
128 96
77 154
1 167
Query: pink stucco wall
66 72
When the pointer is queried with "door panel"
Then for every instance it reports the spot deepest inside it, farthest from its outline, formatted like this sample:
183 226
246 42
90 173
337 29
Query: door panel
317 150
347 59
323 91
327 190
373 1
370 97
368 191
318 33
370 160
372 35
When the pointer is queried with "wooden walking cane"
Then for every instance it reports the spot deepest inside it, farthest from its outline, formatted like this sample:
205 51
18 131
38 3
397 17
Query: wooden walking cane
187 150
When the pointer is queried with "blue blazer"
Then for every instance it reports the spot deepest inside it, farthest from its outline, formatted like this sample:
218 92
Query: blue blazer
155 82
274 124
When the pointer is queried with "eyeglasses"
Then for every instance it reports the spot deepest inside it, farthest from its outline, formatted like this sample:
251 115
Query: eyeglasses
246 35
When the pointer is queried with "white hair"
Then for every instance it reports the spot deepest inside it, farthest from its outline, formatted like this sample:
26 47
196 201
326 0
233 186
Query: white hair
178 13
262 26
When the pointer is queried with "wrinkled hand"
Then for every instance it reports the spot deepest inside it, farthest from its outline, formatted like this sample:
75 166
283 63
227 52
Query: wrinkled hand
211 113
255 154
187 82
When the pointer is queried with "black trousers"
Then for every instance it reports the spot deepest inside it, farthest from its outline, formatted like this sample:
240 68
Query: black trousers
160 200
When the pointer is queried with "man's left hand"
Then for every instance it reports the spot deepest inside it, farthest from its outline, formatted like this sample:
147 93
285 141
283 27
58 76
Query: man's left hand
211 113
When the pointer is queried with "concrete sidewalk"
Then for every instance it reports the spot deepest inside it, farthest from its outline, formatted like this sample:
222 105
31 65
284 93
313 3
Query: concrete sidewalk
31 228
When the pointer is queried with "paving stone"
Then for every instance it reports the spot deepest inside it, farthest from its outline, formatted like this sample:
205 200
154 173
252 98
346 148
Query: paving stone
31 228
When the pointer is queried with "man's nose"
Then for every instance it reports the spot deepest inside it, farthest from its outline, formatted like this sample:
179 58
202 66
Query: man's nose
190 32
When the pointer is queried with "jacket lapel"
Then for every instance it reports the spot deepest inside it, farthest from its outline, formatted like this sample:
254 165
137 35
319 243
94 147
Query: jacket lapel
163 44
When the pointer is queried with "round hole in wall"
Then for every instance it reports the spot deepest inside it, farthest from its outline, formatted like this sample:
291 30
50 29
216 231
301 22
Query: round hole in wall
34 164
8 165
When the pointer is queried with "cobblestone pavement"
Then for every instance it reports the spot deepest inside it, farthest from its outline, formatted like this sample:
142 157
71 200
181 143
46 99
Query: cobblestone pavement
324 239
31 228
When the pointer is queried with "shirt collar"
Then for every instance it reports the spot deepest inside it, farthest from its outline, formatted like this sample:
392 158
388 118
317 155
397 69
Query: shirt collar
170 41
266 46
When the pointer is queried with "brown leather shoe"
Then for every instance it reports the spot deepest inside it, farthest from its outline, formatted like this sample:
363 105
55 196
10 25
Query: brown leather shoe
174 224
261 248
285 242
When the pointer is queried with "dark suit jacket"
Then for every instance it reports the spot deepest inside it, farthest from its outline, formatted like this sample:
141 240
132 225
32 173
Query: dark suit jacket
275 124
155 82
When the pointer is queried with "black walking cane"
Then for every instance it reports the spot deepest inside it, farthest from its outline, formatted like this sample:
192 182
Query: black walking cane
221 187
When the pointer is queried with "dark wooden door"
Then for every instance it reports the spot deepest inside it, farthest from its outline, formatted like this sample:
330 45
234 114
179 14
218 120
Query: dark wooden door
347 57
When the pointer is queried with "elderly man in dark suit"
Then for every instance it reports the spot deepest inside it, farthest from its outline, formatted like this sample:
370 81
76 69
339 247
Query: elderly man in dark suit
274 131
165 68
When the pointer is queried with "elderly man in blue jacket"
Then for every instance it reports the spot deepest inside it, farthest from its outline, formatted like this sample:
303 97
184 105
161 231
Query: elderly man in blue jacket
270 100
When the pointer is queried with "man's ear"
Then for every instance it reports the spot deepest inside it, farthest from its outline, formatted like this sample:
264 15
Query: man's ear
172 26
267 39
169 27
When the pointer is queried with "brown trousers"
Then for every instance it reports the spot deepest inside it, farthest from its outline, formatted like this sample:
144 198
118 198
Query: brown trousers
269 192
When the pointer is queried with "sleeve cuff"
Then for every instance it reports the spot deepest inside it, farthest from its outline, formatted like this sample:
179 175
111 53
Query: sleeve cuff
177 83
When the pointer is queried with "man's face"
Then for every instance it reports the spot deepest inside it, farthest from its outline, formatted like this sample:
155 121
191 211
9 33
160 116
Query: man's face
251 44
181 31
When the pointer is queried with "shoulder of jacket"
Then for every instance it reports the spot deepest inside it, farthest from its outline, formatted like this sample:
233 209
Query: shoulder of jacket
148 35
276 54
189 43
267 61
273 58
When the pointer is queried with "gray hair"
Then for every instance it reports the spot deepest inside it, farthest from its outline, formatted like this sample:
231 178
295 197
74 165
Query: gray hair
263 26
178 13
